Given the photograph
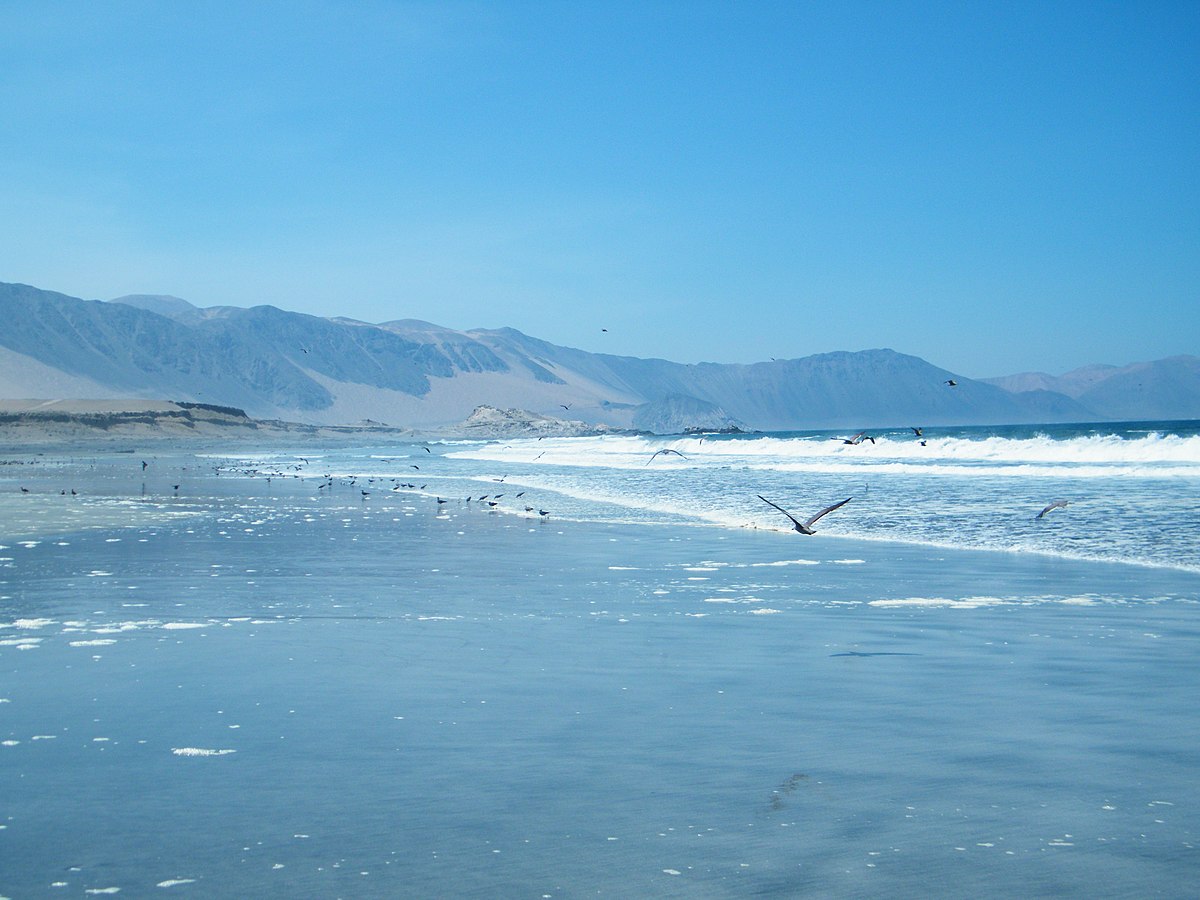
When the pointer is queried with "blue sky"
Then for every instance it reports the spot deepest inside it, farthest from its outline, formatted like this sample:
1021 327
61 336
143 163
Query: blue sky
993 187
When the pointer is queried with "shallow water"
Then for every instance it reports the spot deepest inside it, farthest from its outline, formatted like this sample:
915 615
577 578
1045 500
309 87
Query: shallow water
274 689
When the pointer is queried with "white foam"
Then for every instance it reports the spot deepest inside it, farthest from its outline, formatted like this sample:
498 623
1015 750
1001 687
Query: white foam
180 626
172 882
1152 455
963 603
98 642
199 751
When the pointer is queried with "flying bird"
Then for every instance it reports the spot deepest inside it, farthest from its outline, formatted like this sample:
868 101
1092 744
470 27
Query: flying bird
951 382
806 526
667 450
1057 504
915 430
858 438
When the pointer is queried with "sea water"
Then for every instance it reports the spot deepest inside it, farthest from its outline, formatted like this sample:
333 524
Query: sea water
298 674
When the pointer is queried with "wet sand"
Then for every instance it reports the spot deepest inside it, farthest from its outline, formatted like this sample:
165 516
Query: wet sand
261 689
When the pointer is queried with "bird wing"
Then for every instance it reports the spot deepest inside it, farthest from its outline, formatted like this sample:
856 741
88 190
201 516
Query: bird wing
778 507
827 509
1057 504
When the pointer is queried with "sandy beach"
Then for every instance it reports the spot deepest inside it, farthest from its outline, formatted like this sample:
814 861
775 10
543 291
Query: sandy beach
260 687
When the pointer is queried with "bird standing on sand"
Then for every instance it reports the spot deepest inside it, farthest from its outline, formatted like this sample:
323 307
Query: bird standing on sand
806 526
1057 504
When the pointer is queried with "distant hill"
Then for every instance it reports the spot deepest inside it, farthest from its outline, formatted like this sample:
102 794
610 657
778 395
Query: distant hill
1163 389
284 365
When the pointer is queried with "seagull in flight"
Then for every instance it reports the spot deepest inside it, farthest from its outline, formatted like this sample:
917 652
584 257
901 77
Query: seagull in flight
667 450
951 382
806 526
1057 504
858 438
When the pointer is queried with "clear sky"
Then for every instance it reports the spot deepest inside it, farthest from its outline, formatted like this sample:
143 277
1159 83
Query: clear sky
996 187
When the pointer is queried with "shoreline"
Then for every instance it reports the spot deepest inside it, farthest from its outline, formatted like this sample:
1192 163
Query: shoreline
120 505
54 424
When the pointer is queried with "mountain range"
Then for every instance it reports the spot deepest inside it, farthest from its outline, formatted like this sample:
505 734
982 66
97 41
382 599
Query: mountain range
286 365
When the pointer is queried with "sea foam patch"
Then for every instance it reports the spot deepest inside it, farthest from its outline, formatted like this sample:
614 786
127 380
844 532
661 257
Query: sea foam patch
961 603
200 751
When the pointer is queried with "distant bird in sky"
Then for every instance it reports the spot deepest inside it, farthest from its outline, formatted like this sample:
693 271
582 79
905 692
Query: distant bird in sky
806 526
565 405
604 329
418 468
1057 504
666 450
144 464
952 382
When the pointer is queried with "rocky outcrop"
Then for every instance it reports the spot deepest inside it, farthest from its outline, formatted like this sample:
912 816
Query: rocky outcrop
490 422
681 414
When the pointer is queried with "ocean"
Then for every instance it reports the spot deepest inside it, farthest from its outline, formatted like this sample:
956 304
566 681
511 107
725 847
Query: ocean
293 672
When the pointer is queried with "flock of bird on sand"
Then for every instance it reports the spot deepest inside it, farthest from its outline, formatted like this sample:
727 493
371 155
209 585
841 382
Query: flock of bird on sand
493 500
